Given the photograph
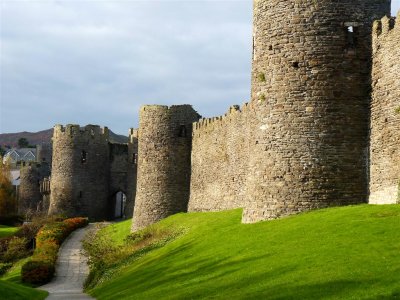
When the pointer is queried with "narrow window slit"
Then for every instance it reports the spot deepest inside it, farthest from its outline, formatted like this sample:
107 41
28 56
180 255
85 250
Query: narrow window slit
83 156
182 131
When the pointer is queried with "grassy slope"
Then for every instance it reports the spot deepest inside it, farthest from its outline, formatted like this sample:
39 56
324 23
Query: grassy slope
7 230
11 287
13 291
340 253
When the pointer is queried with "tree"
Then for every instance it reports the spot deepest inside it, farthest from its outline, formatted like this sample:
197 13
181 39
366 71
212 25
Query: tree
7 194
2 151
23 143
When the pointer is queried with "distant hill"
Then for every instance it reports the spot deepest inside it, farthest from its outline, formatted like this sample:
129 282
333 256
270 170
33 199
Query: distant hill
44 136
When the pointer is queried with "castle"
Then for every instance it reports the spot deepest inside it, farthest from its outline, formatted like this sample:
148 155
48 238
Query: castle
322 128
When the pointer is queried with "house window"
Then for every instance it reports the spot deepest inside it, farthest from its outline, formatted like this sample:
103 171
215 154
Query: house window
135 158
80 194
83 156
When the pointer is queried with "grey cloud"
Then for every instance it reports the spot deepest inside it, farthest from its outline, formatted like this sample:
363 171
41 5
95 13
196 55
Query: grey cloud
98 61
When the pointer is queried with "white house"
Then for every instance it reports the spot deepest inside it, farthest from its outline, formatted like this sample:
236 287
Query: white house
17 155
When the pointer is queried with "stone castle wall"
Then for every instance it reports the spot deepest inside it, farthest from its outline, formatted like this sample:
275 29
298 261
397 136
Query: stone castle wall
132 172
165 140
310 81
44 153
219 161
301 143
80 171
296 144
44 188
29 196
88 171
385 114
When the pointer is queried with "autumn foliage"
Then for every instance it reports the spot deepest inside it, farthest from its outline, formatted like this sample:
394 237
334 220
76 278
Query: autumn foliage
39 270
7 194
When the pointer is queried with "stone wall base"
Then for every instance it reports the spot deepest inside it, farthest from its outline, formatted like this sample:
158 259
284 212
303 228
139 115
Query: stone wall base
388 195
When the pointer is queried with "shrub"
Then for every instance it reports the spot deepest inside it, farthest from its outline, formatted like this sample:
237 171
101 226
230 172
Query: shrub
105 254
37 272
56 232
48 240
75 223
4 268
7 192
16 249
47 251
28 231
4 245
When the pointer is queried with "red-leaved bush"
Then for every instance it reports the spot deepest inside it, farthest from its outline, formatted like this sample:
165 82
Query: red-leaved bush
40 269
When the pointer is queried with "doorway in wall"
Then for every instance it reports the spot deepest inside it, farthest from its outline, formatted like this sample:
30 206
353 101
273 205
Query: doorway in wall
119 202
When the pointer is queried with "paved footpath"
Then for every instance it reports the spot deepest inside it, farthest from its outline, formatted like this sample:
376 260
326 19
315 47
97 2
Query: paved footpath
71 269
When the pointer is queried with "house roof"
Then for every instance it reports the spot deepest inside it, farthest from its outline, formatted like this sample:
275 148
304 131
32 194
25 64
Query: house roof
22 153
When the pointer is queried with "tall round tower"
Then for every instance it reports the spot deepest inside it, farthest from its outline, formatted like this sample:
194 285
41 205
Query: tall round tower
80 171
165 139
310 91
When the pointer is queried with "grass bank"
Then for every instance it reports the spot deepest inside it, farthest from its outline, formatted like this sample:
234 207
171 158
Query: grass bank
13 291
7 230
12 287
339 253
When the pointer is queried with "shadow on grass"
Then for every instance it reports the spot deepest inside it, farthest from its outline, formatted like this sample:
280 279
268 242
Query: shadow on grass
174 275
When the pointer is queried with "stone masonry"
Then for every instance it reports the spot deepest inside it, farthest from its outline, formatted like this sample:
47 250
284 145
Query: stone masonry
219 161
30 199
302 142
87 171
319 129
310 92
165 140
296 145
385 113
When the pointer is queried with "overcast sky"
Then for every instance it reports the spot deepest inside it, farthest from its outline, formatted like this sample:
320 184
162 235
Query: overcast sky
97 62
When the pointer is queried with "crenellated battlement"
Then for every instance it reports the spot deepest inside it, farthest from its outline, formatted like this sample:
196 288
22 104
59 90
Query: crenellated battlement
164 108
74 130
385 121
384 29
234 112
133 135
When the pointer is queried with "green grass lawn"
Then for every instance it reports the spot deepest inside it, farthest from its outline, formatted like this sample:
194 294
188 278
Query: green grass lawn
7 230
14 274
13 291
339 253
11 287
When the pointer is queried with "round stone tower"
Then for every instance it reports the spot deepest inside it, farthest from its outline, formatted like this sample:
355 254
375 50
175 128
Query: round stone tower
165 139
310 93
80 171
29 196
